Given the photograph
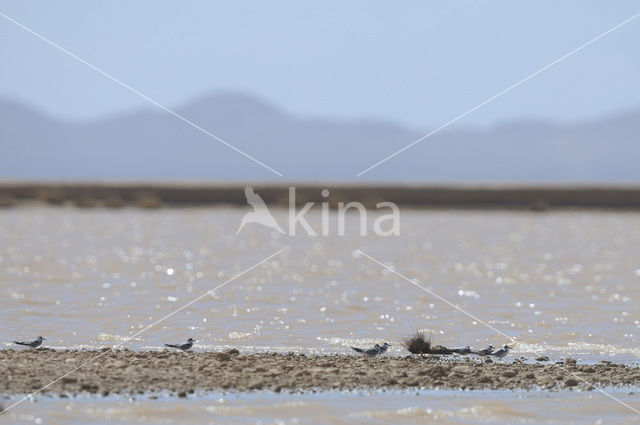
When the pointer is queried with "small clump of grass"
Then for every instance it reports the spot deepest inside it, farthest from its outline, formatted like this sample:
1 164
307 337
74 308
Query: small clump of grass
418 343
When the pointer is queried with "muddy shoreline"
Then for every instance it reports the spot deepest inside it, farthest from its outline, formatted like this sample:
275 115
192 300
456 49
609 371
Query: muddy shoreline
537 197
131 372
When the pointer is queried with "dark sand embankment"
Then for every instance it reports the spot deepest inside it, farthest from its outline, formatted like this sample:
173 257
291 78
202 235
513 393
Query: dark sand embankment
125 372
156 195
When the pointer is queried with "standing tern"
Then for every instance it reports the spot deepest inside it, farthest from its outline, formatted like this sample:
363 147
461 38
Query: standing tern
464 350
486 351
184 347
33 344
501 352
376 350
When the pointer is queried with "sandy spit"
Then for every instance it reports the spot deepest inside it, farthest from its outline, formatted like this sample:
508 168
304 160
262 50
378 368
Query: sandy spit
127 372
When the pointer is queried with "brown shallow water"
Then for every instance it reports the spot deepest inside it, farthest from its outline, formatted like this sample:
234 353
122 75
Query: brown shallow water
564 284
378 408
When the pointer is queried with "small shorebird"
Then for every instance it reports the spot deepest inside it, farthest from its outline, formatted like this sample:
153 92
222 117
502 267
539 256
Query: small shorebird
383 348
464 350
184 347
485 352
33 344
501 352
376 350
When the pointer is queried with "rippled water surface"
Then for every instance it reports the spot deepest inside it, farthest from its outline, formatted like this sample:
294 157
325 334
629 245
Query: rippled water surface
441 407
562 283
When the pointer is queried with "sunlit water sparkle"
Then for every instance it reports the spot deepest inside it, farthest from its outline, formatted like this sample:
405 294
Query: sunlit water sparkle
561 283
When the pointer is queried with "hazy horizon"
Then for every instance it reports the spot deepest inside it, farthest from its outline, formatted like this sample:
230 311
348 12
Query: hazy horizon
153 145
309 92
149 108
418 66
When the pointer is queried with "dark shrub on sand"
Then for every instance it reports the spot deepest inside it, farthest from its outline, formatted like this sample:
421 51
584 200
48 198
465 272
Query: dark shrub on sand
418 343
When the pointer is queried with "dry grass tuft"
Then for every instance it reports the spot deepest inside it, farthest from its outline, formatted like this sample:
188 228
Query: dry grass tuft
418 343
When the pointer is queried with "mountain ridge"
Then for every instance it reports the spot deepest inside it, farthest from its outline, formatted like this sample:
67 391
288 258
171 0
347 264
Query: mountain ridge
151 144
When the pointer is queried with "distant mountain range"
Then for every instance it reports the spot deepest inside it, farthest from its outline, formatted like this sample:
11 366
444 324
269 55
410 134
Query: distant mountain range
153 145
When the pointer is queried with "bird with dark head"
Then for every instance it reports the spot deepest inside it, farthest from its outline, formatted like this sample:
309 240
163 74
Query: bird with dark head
376 350
485 351
184 347
33 344
501 352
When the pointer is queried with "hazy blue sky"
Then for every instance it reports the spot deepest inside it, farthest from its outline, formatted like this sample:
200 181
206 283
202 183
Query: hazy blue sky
420 63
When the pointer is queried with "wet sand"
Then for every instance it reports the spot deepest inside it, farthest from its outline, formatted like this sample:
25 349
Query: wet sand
127 372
